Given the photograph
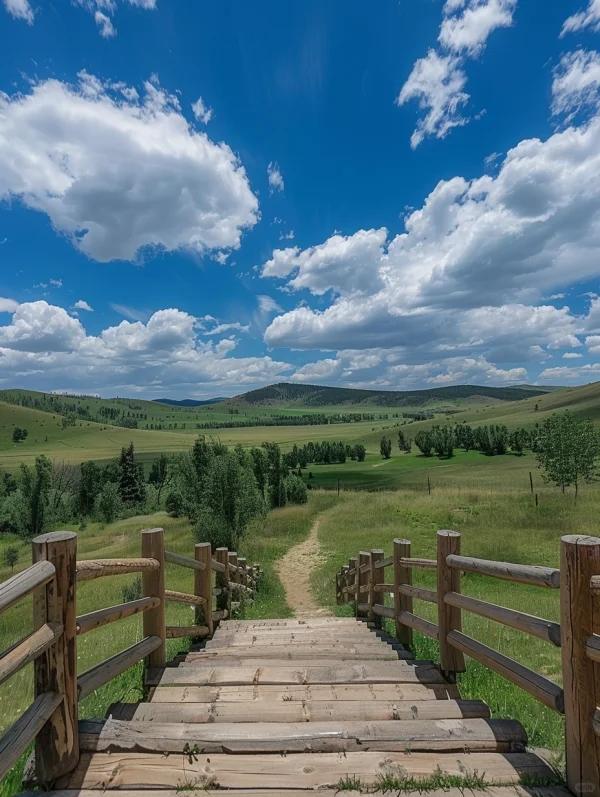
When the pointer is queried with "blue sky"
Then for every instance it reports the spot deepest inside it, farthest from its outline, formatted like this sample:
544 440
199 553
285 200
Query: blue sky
199 198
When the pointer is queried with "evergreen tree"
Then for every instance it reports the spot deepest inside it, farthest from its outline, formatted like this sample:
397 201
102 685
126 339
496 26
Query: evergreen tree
385 447
90 484
131 482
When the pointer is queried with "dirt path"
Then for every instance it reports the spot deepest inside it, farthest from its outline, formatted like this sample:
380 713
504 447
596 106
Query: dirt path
294 570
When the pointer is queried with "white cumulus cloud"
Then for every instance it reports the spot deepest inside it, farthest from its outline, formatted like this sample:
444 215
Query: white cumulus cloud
587 18
81 304
20 9
576 84
118 173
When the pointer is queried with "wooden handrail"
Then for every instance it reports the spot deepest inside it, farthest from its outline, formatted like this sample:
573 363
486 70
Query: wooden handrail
218 567
24 583
92 620
419 624
88 569
176 631
425 564
521 574
29 649
386 562
530 624
24 731
184 597
546 691
96 676
420 593
183 561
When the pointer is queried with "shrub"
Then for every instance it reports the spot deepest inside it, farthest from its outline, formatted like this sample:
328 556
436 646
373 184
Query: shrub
295 490
108 503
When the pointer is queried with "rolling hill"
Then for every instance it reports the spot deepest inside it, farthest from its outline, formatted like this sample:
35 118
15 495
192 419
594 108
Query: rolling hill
286 394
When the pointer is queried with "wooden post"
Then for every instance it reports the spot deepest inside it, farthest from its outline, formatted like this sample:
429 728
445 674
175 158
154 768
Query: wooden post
203 585
363 581
353 582
449 617
402 575
57 744
579 619
222 579
153 586
243 574
375 576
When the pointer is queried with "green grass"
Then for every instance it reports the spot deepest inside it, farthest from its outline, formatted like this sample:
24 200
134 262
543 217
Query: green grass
501 525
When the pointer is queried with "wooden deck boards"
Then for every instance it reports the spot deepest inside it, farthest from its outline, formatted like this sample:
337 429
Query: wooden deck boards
280 707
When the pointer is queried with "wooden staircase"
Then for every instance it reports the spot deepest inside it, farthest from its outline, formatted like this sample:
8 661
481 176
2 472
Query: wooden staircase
285 706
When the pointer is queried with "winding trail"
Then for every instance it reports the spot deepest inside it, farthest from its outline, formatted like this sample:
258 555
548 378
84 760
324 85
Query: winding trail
294 570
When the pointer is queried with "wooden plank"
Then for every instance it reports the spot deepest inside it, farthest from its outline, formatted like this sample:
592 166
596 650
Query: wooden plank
305 693
223 638
547 692
384 611
88 622
21 734
364 672
423 564
184 597
490 791
521 574
29 649
24 583
420 593
88 569
110 668
282 652
449 735
272 710
194 631
183 561
302 770
384 562
535 626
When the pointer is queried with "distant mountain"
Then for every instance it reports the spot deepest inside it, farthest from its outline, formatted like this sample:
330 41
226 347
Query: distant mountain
321 396
189 402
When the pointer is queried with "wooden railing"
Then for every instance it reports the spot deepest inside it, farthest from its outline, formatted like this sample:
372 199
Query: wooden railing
363 583
51 721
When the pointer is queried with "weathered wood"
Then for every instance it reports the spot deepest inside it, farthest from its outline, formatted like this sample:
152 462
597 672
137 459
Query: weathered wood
420 593
91 620
418 562
216 565
153 585
362 583
88 569
379 610
364 672
281 653
96 676
490 791
384 562
194 631
305 693
29 649
592 648
376 556
302 770
55 670
579 620
452 660
419 624
24 731
535 626
221 582
402 602
183 561
269 709
298 737
203 585
544 690
184 597
24 583
521 574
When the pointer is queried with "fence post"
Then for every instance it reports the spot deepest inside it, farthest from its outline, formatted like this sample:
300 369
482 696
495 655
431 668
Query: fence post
375 555
449 617
222 580
57 744
353 582
579 619
153 586
363 581
203 585
243 574
402 575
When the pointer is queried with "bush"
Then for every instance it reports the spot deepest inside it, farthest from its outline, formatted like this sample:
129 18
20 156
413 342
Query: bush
11 556
295 490
133 591
108 503
174 504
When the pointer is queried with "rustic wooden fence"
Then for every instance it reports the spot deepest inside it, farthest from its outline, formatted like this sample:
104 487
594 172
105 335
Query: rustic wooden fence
362 582
52 719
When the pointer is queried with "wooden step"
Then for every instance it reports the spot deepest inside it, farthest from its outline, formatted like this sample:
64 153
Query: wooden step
273 710
309 693
447 735
489 791
367 672
298 771
305 652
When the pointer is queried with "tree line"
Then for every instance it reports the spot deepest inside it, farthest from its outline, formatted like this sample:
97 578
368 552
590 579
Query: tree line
326 452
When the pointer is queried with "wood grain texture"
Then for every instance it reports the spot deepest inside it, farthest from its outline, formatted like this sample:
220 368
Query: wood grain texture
24 583
29 649
88 622
521 574
88 569
23 732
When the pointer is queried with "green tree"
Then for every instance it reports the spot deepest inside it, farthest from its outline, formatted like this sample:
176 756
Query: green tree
34 488
131 481
569 449
90 484
385 447
160 475
424 442
295 489
108 502
11 557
